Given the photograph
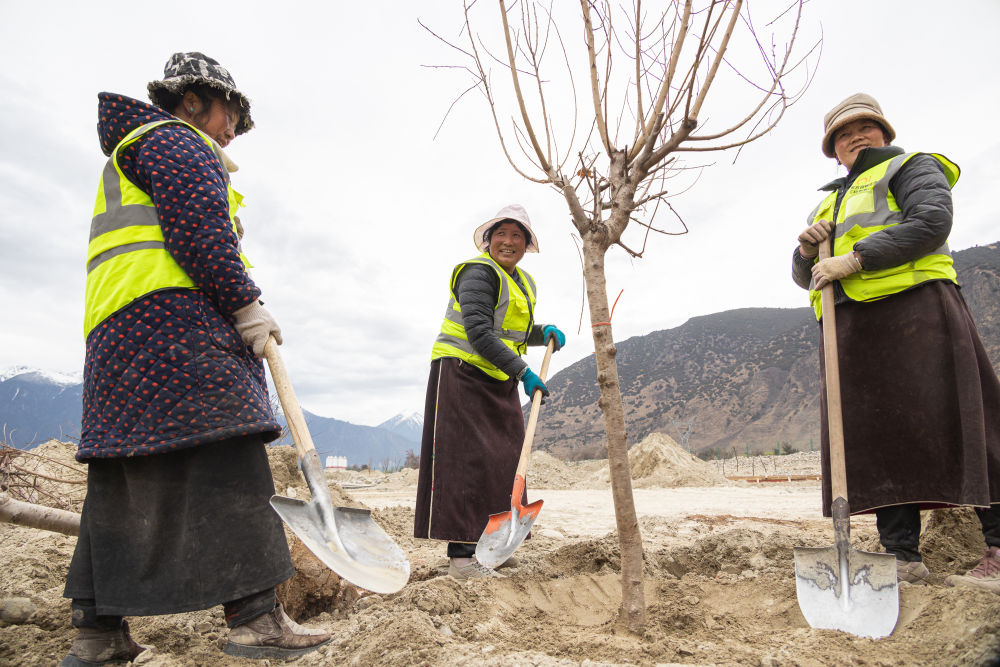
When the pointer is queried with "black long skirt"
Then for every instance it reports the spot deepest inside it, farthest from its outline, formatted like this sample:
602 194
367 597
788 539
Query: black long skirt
472 438
177 532
921 403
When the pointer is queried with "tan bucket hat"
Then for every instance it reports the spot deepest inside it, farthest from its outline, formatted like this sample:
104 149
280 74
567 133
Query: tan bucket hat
855 107
513 212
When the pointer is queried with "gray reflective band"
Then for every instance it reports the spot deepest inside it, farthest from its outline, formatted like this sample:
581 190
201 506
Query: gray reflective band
513 335
115 215
455 341
121 250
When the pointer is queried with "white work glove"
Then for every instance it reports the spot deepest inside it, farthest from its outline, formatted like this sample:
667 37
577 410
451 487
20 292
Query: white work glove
827 270
812 236
255 325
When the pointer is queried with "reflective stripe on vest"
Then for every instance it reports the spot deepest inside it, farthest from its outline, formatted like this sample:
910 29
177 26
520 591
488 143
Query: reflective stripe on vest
869 207
126 255
512 319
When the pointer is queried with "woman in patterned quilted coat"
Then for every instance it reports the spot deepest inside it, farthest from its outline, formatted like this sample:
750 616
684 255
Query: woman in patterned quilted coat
176 414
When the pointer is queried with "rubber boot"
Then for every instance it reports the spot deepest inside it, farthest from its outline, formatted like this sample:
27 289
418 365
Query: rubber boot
93 646
273 635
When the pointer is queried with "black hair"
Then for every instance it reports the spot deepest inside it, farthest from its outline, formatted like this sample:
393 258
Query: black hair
169 101
488 234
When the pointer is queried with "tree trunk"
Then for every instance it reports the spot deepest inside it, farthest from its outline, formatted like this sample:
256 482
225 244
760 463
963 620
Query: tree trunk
633 598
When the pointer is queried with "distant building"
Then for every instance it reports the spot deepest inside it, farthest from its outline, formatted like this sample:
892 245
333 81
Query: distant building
336 462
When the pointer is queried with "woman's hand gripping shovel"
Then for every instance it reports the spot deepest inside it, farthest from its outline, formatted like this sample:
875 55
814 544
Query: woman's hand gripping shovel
347 540
506 531
838 587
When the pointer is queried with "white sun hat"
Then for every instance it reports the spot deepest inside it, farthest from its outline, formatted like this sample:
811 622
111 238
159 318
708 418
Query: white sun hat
513 212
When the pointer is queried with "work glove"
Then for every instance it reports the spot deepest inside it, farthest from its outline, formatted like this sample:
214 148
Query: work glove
812 236
551 330
532 382
827 270
255 325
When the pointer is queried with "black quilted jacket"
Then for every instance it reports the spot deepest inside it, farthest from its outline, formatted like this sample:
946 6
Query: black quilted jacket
169 371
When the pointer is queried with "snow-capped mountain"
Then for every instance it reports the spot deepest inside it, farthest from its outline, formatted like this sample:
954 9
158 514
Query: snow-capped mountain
64 379
37 405
410 426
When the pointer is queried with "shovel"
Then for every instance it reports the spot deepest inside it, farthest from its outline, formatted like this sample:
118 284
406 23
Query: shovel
347 540
506 531
838 587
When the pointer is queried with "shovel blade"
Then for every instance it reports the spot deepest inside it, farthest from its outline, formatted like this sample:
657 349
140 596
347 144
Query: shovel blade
848 590
348 541
505 532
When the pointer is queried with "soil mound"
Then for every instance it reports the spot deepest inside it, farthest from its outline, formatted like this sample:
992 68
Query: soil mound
719 590
658 461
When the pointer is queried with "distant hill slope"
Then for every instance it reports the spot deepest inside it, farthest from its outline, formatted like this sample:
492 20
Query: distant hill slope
34 408
749 378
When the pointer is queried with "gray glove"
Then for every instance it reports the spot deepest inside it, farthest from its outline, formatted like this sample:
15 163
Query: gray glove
255 325
812 236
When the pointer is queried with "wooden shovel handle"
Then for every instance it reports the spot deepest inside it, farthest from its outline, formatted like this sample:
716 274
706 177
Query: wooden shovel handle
536 402
289 403
834 411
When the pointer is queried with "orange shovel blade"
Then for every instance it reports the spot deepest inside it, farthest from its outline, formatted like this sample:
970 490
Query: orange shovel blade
506 531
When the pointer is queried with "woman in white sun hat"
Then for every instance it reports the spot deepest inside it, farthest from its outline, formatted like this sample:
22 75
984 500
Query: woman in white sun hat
473 425
920 398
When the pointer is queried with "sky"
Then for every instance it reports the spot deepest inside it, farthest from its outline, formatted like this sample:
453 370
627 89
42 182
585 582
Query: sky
358 206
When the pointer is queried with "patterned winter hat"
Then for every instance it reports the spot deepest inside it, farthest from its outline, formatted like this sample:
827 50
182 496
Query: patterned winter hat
186 69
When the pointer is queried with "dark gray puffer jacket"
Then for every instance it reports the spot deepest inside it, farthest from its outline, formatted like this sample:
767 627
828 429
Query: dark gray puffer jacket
477 288
924 197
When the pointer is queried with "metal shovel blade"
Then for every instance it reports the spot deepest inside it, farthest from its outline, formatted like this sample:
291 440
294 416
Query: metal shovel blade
848 590
505 531
348 541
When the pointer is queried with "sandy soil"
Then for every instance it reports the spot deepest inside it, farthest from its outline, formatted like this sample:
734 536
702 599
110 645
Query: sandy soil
719 581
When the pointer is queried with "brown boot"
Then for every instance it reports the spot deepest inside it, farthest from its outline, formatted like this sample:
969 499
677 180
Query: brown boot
985 576
911 572
92 646
273 635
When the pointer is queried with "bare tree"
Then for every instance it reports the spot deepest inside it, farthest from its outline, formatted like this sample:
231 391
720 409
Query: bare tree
648 75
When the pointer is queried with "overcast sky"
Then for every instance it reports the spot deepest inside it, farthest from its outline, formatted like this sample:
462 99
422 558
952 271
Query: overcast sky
356 213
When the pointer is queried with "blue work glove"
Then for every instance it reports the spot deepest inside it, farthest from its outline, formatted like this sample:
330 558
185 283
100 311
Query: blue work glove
551 330
532 383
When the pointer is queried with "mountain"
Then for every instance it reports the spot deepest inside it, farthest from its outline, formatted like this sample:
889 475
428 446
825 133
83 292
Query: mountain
36 406
744 379
372 446
409 426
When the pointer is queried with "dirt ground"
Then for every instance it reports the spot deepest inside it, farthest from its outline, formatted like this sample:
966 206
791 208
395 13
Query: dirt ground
719 580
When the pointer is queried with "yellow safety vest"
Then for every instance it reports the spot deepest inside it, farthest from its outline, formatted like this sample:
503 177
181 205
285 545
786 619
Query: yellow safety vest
126 256
512 318
869 207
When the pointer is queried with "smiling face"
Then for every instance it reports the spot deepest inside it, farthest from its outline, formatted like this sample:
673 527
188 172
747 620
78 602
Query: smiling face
507 245
850 139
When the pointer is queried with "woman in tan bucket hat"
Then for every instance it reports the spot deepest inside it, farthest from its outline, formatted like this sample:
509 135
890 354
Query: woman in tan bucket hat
921 401
473 424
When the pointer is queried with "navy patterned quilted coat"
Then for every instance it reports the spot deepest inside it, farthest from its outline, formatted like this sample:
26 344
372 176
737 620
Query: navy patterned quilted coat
169 371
